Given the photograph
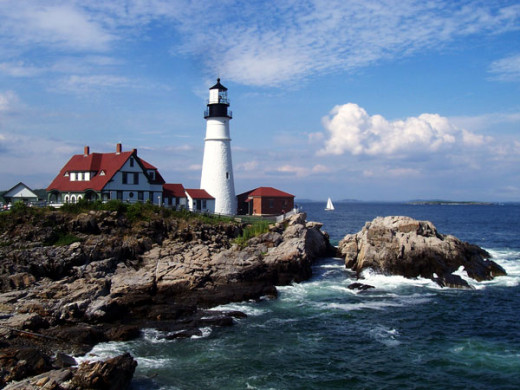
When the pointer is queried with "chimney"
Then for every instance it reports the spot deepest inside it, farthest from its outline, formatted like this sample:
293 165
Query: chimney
86 151
119 148
134 151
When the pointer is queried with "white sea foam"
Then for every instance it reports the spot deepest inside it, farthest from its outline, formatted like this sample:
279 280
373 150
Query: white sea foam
146 362
249 308
103 351
386 336
394 282
155 336
206 331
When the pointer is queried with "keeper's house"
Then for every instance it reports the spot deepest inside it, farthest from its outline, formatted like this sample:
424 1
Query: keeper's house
265 201
105 176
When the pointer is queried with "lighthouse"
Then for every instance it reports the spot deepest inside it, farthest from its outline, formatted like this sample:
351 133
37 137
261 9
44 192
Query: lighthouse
217 167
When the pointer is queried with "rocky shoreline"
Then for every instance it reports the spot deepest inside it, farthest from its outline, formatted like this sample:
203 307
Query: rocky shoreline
122 276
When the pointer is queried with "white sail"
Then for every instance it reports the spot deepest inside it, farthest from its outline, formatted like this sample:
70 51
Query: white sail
329 206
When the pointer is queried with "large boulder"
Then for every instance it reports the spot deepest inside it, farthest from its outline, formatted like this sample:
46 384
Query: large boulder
404 246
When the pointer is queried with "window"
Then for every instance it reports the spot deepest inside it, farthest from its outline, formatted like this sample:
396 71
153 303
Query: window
136 177
73 176
125 178
131 161
119 195
151 196
80 176
204 206
227 175
140 196
271 203
131 194
151 174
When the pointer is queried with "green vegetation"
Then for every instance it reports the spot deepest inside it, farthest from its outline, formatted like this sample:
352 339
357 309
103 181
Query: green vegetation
133 211
59 238
252 230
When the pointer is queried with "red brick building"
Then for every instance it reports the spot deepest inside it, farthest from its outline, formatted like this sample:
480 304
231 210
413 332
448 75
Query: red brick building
265 201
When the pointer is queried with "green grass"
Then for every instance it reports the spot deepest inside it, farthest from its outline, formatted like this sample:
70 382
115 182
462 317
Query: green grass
59 238
254 229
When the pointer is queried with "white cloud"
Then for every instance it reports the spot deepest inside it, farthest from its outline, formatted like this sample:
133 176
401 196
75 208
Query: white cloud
293 170
248 166
53 24
19 69
352 130
506 69
78 83
258 43
488 121
279 41
8 100
15 148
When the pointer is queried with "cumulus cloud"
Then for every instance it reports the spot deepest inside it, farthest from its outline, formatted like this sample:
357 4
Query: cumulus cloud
352 130
506 69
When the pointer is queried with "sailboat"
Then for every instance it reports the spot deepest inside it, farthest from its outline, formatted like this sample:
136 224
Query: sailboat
329 206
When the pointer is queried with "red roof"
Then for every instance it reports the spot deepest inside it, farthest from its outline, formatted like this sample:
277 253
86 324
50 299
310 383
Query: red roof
103 165
267 192
198 194
174 190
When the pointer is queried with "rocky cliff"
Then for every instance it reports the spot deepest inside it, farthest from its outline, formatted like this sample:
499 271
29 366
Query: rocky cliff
119 275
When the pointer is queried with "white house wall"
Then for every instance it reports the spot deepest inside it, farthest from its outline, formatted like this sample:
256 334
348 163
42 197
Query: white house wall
116 184
21 192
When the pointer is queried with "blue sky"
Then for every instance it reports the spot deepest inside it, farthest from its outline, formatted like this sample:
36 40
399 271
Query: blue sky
369 100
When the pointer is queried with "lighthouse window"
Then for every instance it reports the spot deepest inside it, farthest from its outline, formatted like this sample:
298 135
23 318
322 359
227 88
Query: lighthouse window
227 175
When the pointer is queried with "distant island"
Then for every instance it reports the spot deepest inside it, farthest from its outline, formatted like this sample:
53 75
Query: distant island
449 202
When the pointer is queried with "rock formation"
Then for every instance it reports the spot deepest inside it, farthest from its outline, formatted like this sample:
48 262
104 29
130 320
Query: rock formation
411 248
121 275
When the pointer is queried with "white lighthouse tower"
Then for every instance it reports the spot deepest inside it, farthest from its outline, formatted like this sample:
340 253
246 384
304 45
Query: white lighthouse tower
217 167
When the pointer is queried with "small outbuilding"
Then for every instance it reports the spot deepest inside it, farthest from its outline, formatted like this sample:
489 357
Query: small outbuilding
200 201
174 196
20 192
265 201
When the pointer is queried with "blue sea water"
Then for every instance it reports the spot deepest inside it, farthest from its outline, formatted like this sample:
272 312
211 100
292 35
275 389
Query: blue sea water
318 334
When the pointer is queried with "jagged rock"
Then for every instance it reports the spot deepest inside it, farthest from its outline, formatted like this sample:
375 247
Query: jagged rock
63 360
140 274
359 286
123 333
115 373
19 363
50 380
411 248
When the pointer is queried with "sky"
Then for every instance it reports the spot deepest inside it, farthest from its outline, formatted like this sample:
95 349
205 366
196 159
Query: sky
387 100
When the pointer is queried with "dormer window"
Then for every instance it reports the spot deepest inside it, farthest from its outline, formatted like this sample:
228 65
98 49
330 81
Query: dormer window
151 174
102 173
66 174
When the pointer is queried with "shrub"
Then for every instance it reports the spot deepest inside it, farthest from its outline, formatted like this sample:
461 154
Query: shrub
252 230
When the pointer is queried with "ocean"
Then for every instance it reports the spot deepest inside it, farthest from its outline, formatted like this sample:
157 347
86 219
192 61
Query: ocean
408 334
